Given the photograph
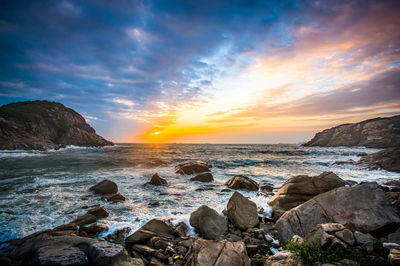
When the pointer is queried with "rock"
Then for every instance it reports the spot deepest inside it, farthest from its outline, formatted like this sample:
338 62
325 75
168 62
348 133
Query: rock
140 236
159 228
242 212
394 257
94 229
181 229
372 133
363 208
155 262
143 249
350 162
208 223
137 262
85 219
282 258
66 227
204 177
242 182
157 180
364 240
99 212
331 235
218 253
105 187
299 189
114 198
295 239
388 159
192 167
394 198
119 235
394 237
41 125
267 188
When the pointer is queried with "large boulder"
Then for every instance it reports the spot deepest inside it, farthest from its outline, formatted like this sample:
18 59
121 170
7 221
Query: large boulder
105 187
192 167
242 212
159 227
157 180
388 159
217 253
331 235
364 208
203 177
299 189
208 223
282 258
242 182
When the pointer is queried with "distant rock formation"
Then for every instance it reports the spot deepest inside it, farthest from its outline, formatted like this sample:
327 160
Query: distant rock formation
373 133
41 125
388 159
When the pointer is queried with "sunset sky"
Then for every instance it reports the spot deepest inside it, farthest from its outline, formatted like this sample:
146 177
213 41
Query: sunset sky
205 71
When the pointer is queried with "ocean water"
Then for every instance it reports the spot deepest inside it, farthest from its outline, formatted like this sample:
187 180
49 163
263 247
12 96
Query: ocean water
44 189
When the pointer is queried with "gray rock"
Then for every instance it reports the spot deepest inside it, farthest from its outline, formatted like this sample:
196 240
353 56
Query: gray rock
140 236
114 198
192 167
208 223
282 258
388 159
85 219
105 187
159 227
157 180
242 182
242 212
99 212
204 177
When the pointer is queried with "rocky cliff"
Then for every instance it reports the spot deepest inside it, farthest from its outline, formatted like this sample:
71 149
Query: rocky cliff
43 125
373 133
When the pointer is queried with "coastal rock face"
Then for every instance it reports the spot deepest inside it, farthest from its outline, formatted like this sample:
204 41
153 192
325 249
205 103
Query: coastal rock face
242 182
299 189
373 133
242 212
218 253
208 223
364 208
388 159
192 167
41 125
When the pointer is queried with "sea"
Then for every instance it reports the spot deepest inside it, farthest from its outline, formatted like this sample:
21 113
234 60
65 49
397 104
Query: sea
43 189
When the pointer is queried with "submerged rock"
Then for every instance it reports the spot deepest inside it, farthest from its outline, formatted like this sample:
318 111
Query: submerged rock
363 208
208 223
242 212
203 177
192 167
157 180
299 189
105 187
388 159
242 182
114 198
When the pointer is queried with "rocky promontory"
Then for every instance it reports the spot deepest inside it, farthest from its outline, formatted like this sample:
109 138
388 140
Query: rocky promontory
40 125
373 133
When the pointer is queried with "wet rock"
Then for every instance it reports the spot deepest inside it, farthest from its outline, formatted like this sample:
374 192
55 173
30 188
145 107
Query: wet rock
159 243
226 190
66 227
119 235
208 223
242 182
159 227
204 177
181 229
282 258
192 167
99 212
218 253
143 249
388 159
157 180
140 236
105 187
267 188
242 212
394 257
114 198
363 208
94 229
155 262
299 189
349 162
85 219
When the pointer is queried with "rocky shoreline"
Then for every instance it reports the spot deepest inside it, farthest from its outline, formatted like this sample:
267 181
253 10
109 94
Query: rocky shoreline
343 222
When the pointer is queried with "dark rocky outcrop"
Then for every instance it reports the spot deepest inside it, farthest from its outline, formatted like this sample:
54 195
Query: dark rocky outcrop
299 189
192 167
242 212
363 208
372 133
203 177
242 182
208 223
388 159
105 187
157 180
99 212
41 125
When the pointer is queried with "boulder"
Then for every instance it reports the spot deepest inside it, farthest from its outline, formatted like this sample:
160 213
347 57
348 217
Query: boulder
281 258
217 253
203 177
114 198
85 219
331 235
388 159
242 212
99 212
105 187
394 257
159 227
94 229
208 223
364 208
242 182
157 180
181 229
140 236
192 167
299 189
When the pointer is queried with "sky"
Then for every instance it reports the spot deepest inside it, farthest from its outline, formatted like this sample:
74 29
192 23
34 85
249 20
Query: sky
205 71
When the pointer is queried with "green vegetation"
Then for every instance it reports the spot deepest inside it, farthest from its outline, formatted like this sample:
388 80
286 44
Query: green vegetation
258 261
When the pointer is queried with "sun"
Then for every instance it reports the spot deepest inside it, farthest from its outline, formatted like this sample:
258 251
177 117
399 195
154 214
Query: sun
156 133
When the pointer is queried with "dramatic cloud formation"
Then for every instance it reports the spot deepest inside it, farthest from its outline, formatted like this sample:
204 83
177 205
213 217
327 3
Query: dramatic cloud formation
205 71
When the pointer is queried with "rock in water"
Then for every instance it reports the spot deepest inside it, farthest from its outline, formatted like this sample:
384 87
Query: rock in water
157 180
373 133
364 208
299 189
99 212
204 177
105 187
192 167
242 182
242 212
159 227
217 253
208 223
388 159
41 125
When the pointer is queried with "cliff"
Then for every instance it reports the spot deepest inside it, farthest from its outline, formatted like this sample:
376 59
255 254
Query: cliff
373 133
44 125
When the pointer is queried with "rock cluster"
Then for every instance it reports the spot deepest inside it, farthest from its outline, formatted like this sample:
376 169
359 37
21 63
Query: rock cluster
192 167
41 125
109 191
